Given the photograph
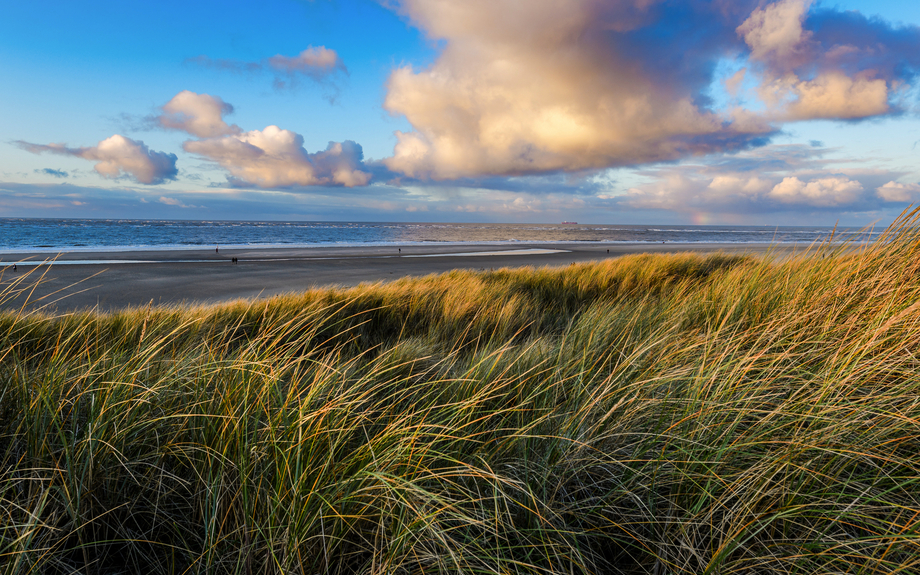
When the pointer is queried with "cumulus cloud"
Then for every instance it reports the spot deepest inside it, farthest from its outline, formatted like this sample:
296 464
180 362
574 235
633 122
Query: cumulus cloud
276 158
898 192
564 86
591 84
201 115
118 156
775 32
269 158
845 67
835 95
821 192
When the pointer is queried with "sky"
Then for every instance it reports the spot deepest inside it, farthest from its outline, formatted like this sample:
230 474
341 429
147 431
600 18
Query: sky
747 112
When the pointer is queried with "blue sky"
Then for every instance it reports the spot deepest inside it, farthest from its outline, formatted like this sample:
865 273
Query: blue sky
747 112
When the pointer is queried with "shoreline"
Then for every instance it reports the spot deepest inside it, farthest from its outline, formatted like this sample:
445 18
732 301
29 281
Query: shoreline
111 280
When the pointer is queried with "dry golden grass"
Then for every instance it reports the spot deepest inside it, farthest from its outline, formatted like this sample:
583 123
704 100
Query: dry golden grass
649 414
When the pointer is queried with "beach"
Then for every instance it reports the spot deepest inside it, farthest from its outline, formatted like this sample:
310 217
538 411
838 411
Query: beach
110 280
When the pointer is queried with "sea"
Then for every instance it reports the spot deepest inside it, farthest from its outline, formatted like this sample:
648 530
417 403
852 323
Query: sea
57 235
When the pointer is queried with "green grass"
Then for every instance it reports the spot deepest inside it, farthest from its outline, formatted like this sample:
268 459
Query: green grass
649 414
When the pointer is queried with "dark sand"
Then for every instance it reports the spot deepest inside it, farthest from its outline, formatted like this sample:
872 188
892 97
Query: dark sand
102 280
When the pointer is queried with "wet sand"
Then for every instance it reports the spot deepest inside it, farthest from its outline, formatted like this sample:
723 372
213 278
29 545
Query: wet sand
112 280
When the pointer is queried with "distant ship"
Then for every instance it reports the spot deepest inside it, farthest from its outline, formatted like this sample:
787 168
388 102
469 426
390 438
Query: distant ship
574 223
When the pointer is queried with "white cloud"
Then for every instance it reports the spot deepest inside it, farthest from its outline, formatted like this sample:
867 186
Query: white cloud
805 76
835 95
898 192
730 184
740 194
275 158
550 85
201 115
775 32
117 156
269 158
769 179
822 192
544 88
831 96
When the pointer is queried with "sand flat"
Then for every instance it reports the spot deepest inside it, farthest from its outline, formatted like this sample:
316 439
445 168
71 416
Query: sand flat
113 280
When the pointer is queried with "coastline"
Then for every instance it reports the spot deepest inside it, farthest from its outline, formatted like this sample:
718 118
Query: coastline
111 280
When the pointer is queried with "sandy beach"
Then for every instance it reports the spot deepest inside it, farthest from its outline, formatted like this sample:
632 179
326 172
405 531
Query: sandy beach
111 280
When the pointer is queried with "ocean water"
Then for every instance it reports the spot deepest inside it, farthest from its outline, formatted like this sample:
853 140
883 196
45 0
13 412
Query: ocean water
56 235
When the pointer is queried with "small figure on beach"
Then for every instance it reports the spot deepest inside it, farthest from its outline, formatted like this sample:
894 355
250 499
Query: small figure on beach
217 249
400 250
608 251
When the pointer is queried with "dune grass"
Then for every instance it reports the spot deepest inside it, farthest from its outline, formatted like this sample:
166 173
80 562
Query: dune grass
649 414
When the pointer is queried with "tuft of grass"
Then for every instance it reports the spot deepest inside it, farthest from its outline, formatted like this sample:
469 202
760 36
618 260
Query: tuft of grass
649 414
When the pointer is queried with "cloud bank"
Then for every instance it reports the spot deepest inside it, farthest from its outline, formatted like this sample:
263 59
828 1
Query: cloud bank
118 156
768 179
591 84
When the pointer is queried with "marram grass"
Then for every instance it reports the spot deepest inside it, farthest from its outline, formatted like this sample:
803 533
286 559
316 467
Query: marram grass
649 414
